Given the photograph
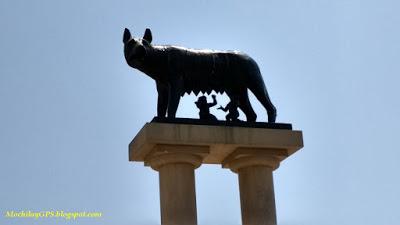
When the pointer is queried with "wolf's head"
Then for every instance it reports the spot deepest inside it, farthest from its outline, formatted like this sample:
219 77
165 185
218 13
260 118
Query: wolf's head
135 49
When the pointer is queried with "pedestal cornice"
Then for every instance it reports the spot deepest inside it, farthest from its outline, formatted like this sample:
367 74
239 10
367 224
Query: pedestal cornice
213 143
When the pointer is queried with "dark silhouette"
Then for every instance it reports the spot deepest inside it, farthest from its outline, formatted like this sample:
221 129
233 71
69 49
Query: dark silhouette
204 107
233 111
178 70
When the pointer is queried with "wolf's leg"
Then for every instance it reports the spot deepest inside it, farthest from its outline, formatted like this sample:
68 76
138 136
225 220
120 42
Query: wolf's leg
175 90
257 86
162 102
262 95
245 106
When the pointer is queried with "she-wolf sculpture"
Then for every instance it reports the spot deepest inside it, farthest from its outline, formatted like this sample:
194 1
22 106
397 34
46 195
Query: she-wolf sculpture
179 70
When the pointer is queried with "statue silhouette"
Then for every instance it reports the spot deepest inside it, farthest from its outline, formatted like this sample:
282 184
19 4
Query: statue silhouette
179 70
233 111
204 107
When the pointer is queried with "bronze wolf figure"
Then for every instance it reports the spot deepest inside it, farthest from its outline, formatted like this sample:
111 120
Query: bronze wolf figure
179 70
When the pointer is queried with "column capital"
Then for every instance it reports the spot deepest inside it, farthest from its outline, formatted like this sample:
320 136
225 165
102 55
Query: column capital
246 157
163 154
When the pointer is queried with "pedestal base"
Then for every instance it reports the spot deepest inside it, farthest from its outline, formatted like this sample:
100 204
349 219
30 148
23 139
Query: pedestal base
176 150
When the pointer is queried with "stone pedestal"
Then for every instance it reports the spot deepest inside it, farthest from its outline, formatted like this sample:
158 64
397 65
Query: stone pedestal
176 150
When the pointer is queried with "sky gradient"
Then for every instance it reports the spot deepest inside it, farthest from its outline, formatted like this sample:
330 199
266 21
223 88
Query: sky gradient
70 105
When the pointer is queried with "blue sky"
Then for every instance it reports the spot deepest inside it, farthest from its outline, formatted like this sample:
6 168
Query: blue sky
70 106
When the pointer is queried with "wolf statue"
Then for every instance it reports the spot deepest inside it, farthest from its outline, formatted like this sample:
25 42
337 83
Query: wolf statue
179 70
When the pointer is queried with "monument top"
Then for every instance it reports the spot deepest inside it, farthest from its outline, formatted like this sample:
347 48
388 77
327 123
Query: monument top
215 143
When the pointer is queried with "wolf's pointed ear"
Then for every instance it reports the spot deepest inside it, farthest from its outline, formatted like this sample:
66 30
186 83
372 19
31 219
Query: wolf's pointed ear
147 35
127 36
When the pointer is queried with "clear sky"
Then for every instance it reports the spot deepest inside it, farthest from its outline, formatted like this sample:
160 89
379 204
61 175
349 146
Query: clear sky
70 105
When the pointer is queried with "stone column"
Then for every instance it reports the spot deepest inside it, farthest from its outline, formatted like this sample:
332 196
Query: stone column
254 168
175 150
176 165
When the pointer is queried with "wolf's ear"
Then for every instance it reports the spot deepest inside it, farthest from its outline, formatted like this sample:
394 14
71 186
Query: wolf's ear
147 35
127 36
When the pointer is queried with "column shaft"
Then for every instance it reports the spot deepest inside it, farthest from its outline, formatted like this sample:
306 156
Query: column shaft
177 194
257 195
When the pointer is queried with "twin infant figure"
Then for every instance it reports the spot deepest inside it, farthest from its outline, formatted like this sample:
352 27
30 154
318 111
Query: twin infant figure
205 114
